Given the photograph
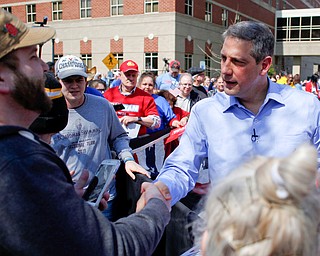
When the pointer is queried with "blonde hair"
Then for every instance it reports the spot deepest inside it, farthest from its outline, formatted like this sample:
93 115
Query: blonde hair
269 206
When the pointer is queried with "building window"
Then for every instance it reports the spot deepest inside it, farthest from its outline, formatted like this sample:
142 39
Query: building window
237 18
56 57
85 8
208 14
116 7
207 61
151 61
87 59
187 61
224 18
7 8
57 10
119 57
151 6
189 7
31 13
298 29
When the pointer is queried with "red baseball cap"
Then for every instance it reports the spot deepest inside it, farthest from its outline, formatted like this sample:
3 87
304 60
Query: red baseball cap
129 65
174 65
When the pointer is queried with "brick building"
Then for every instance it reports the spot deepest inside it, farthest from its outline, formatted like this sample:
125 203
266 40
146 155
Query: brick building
148 31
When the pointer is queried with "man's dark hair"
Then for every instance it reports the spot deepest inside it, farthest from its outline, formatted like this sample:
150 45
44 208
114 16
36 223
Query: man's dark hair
257 33
314 78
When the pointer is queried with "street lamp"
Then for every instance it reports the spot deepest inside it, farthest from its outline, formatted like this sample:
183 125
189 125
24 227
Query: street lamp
41 23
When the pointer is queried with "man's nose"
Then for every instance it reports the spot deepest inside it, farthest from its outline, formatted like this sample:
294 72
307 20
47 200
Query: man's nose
226 67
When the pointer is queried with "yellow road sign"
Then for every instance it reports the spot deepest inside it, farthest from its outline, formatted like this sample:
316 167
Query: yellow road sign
110 61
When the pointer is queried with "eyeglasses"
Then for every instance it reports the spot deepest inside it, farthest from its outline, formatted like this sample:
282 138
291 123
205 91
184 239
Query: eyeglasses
186 85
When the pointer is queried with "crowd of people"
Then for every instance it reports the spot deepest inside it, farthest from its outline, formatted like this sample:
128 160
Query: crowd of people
57 127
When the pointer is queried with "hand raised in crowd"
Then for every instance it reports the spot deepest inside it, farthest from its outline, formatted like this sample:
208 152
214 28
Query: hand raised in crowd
82 182
184 121
132 166
149 191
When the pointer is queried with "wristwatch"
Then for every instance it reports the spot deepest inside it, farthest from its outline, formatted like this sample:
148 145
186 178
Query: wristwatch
139 118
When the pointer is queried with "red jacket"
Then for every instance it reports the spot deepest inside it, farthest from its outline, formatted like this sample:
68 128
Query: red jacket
139 103
309 86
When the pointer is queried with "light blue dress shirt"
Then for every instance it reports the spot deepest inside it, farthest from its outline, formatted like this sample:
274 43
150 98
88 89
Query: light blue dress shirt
223 130
167 82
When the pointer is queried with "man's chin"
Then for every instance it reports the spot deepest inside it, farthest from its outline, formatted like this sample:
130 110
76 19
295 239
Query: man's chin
129 87
231 91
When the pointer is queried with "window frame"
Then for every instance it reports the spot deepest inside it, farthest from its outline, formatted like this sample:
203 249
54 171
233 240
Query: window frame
188 7
154 4
117 7
119 57
85 11
32 15
7 8
152 58
87 59
56 12
225 18
208 12
188 61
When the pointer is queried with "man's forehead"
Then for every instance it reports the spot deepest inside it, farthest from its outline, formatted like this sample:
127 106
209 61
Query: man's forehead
186 78
28 50
131 72
76 77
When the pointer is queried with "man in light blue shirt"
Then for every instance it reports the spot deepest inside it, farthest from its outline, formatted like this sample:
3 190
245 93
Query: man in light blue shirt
254 117
169 80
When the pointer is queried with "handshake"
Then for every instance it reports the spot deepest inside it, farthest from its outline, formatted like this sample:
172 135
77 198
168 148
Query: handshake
154 190
148 191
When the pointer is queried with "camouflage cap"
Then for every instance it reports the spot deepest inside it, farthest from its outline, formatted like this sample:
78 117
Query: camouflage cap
15 34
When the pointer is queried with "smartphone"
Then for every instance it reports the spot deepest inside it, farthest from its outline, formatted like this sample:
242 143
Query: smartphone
194 251
101 181
118 107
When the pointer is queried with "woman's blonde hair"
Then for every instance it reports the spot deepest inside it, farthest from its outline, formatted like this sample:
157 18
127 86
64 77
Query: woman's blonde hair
269 206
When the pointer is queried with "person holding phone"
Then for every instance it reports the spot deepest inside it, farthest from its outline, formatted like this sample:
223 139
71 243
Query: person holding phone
93 128
41 214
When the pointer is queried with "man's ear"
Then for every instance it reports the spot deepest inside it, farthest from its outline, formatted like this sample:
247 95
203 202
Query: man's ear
265 65
5 80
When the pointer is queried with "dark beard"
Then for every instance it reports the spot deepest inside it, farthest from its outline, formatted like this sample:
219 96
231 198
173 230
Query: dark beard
30 93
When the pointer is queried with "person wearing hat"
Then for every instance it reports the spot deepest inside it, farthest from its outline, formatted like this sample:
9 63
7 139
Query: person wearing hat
93 128
198 79
140 107
169 80
56 119
51 66
41 213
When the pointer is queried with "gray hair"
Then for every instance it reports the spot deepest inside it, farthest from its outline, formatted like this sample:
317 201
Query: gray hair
256 32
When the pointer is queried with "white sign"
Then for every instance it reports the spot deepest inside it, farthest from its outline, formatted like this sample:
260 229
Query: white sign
203 64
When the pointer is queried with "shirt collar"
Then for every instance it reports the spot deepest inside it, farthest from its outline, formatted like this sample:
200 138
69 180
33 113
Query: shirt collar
126 93
274 93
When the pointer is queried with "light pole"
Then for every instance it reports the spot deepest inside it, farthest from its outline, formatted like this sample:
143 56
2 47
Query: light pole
52 41
41 23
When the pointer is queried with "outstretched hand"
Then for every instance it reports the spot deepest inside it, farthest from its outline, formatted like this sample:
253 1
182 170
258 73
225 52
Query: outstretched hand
132 166
149 191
